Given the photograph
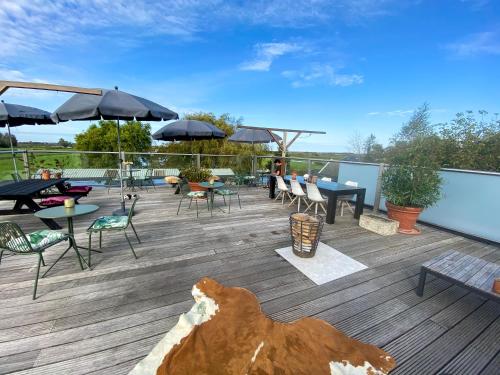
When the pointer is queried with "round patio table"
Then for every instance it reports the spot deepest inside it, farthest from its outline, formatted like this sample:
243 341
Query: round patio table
68 213
210 188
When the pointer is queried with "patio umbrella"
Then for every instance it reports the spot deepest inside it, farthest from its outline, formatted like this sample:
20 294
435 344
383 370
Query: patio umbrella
252 136
112 105
188 130
16 115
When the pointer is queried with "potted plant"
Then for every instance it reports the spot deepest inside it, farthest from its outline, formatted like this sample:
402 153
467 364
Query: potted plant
408 191
195 175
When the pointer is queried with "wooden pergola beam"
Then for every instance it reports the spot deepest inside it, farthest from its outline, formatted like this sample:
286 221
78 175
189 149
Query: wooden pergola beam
281 130
5 85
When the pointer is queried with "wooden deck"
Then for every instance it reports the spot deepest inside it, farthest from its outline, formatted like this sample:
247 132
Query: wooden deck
105 320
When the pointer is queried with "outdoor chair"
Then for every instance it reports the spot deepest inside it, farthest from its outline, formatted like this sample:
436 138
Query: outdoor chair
283 190
14 240
148 179
186 193
298 193
231 187
343 200
315 197
110 175
113 224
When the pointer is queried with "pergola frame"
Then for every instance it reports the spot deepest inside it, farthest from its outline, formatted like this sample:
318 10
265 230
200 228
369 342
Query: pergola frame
282 144
5 85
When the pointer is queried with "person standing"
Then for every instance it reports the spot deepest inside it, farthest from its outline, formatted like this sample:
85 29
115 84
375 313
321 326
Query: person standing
272 179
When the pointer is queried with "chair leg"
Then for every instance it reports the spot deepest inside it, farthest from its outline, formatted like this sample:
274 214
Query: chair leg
195 201
316 208
349 207
100 239
190 202
130 244
43 260
178 208
229 211
239 202
282 199
223 197
135 232
90 248
37 275
341 208
1 255
292 201
278 195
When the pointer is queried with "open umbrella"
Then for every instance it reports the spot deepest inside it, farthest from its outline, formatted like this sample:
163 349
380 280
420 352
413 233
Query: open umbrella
188 130
16 115
253 136
112 105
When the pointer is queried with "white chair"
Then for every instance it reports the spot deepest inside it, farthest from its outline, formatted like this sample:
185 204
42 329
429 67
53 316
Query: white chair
299 194
315 197
283 189
343 200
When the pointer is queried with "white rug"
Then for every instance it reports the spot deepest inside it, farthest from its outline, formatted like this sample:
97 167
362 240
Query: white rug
326 265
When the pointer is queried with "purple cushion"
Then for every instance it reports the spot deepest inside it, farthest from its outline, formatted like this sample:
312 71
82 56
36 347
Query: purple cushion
55 201
79 189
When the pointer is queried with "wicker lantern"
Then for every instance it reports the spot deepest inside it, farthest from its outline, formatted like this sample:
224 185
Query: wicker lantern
305 230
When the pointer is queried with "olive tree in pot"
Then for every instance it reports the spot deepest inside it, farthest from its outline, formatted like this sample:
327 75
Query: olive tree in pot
408 191
195 175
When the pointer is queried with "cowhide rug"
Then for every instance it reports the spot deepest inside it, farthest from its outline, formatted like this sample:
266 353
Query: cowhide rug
225 332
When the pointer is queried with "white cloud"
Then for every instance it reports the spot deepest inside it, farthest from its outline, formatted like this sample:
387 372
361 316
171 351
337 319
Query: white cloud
321 74
484 43
267 53
402 112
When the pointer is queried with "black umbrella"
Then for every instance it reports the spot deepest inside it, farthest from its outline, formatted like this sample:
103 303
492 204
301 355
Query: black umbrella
112 105
188 130
17 115
253 136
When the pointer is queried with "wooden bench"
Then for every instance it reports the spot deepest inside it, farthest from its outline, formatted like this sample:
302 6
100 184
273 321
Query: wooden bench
465 270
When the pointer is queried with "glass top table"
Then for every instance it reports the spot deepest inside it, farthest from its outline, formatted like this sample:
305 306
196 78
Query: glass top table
61 212
211 187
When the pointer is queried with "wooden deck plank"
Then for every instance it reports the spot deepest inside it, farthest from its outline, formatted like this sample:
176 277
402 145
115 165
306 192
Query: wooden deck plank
104 321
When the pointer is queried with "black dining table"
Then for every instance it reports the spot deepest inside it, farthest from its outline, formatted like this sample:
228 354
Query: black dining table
24 192
333 190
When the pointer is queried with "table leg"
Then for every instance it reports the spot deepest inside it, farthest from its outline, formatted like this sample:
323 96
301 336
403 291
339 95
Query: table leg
331 208
360 202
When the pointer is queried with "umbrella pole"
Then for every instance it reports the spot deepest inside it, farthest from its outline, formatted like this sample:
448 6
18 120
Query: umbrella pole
12 150
122 199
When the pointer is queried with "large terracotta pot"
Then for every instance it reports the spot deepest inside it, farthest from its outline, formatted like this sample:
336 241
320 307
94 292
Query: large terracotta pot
195 186
45 175
407 217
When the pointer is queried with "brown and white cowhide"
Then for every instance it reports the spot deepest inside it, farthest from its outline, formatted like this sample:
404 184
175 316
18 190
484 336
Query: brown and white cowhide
225 332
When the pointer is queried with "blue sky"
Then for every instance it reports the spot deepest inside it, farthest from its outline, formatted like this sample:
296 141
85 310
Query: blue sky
340 66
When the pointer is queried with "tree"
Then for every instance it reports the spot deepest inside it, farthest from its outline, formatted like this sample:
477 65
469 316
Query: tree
63 143
373 151
356 144
4 140
135 137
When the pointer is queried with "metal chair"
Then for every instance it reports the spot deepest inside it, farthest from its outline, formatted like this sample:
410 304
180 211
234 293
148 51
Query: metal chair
343 200
185 192
283 190
298 193
113 224
14 240
110 175
148 179
315 197
231 187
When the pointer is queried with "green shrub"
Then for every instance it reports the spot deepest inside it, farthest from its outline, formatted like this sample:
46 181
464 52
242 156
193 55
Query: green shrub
411 186
195 174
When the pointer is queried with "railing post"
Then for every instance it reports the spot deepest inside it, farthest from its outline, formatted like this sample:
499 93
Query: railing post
198 160
26 163
309 166
378 188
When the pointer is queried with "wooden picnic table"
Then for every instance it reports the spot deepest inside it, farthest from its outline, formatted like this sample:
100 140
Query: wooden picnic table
24 192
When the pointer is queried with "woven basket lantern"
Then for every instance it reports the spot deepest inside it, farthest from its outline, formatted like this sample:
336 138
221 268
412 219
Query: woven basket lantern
305 230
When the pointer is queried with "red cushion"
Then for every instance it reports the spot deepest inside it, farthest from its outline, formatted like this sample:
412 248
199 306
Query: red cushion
79 189
55 201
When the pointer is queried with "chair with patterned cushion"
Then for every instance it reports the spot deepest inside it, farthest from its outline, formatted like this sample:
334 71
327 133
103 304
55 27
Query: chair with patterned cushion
231 187
148 179
14 240
113 224
110 175
186 193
